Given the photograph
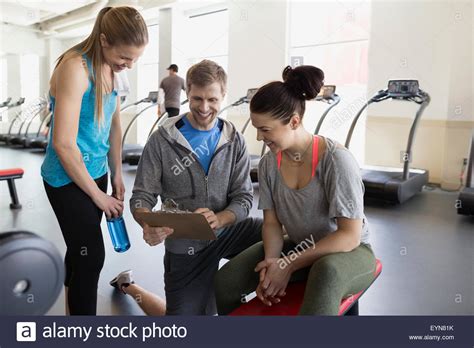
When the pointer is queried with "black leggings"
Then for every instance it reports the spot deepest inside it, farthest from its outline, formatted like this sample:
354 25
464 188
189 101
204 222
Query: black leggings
79 219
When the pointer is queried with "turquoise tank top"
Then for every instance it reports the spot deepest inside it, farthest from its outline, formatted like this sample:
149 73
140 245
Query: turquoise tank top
92 140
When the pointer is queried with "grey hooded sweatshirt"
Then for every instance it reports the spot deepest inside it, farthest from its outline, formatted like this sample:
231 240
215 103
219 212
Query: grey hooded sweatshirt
170 169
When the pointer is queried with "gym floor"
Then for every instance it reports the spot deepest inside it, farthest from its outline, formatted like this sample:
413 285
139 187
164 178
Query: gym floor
425 248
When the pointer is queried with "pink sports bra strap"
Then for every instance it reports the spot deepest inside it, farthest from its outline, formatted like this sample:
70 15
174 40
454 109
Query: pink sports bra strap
279 159
315 156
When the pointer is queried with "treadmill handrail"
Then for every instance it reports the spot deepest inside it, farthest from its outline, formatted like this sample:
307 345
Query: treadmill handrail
31 120
335 100
236 103
31 116
380 96
133 121
132 104
14 105
47 118
354 123
470 169
18 114
246 124
6 102
161 118
411 136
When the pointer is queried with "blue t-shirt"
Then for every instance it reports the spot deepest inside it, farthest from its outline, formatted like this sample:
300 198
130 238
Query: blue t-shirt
203 142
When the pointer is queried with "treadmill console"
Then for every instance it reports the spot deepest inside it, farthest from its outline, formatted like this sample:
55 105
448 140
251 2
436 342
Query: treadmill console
402 88
250 93
326 92
152 97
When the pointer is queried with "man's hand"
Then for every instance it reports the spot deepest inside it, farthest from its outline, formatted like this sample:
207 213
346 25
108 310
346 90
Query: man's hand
211 218
155 235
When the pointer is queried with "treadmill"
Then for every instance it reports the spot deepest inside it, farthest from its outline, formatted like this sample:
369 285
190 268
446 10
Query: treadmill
20 101
133 157
326 95
29 114
40 141
387 184
21 139
5 103
152 98
466 196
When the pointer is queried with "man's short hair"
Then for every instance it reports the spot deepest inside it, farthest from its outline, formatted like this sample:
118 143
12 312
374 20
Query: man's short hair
205 73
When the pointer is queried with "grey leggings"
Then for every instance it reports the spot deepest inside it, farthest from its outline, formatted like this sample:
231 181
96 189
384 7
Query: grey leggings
330 279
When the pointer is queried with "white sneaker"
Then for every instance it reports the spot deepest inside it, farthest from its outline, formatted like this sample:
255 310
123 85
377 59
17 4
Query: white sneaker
123 279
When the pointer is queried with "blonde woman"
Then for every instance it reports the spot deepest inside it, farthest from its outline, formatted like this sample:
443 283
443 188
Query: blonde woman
86 139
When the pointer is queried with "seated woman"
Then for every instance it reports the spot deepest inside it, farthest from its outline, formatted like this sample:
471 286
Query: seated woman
311 194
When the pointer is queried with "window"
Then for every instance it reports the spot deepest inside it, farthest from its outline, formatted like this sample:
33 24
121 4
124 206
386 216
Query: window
208 38
29 76
3 86
334 36
148 64
147 81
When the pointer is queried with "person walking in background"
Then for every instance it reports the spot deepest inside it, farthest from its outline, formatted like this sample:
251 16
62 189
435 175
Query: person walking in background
172 85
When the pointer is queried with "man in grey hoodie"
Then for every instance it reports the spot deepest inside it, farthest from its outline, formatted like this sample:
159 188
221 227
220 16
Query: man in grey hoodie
201 162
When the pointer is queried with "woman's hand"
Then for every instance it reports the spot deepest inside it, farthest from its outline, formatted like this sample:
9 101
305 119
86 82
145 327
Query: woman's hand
275 279
118 188
261 292
111 206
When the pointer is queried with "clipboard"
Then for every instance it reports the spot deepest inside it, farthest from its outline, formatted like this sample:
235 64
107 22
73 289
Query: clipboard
185 225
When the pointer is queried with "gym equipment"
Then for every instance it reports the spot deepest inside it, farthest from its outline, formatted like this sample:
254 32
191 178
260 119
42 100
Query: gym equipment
40 141
163 117
5 103
10 175
466 196
245 99
29 114
20 139
387 184
254 159
133 157
33 274
291 303
12 122
132 148
326 95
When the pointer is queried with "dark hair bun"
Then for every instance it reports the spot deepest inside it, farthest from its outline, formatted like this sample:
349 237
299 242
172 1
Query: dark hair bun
304 82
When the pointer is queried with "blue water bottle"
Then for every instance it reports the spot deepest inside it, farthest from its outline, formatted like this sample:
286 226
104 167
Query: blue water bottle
118 234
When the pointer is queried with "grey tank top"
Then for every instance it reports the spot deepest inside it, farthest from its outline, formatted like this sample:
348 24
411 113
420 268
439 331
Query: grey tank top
309 214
